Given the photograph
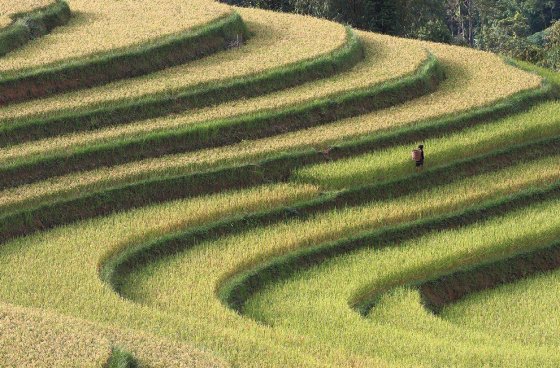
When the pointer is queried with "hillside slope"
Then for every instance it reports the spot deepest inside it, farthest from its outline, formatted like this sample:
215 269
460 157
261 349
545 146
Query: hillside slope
254 204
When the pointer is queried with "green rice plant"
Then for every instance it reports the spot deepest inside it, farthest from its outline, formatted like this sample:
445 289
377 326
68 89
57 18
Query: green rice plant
121 359
397 327
540 121
25 20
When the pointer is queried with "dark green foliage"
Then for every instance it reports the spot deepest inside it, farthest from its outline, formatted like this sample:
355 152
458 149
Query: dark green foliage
28 26
121 359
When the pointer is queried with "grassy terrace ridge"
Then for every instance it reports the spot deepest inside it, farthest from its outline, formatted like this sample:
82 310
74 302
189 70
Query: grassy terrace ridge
9 11
75 56
30 20
467 95
325 65
258 64
42 165
400 313
521 323
247 209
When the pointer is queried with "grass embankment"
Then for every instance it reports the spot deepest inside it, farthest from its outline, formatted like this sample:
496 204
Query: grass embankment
93 300
398 328
311 104
254 69
81 54
467 86
531 306
26 20
541 121
8 10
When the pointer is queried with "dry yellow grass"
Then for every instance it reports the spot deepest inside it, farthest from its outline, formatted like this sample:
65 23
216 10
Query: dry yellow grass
385 59
104 25
278 39
38 338
8 8
469 85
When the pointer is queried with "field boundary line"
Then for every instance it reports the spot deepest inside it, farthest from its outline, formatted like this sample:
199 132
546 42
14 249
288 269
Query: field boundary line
122 63
203 95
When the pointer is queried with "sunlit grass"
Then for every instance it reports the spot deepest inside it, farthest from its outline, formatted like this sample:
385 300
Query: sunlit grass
539 122
397 328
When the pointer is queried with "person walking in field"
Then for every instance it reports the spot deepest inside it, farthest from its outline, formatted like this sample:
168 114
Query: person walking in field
418 157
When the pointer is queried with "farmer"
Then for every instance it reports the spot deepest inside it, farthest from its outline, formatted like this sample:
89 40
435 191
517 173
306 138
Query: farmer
418 156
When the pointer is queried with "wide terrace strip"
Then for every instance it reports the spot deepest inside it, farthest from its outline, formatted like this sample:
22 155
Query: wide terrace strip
96 47
465 94
254 68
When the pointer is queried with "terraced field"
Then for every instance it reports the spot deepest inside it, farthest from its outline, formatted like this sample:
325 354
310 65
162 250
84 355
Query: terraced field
214 186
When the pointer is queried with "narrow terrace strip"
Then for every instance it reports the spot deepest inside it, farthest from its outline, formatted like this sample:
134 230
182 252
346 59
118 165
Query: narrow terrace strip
221 133
22 218
82 54
486 92
29 23
255 68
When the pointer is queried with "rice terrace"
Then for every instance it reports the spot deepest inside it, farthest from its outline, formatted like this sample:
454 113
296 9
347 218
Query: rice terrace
194 183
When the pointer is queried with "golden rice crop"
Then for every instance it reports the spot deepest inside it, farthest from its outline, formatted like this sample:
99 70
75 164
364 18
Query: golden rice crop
9 8
36 338
399 329
279 39
60 266
384 61
97 302
103 25
469 85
